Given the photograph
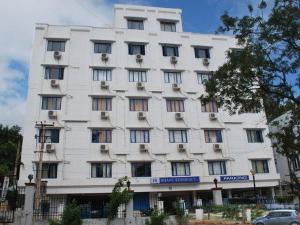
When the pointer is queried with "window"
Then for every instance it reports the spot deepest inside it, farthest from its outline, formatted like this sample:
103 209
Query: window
51 103
260 166
177 136
181 169
102 74
141 169
49 170
217 168
209 107
136 49
139 136
137 76
203 77
101 170
135 24
296 163
213 136
56 46
101 136
138 104
169 50
51 136
174 105
255 136
172 77
52 73
100 47
202 53
168 26
101 104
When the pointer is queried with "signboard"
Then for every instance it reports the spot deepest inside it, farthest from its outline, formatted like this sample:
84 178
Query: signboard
174 180
234 178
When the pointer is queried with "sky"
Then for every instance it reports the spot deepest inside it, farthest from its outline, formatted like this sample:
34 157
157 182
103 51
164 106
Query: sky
17 26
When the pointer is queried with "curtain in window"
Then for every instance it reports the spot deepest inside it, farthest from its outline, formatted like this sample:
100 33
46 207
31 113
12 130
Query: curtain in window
49 170
209 107
165 26
175 105
102 75
101 170
213 136
134 49
217 168
135 24
51 103
138 104
178 136
102 48
181 169
101 136
254 136
260 166
101 104
56 46
54 73
137 76
172 77
170 51
139 136
203 77
202 53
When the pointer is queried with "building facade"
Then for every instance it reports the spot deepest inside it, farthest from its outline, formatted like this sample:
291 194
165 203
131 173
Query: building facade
125 102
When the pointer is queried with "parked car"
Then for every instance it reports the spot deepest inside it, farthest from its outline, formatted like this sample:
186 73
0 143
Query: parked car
278 217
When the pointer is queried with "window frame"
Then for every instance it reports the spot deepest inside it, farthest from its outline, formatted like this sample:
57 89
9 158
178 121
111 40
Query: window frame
137 76
175 50
186 166
56 105
209 107
213 163
104 168
201 75
136 134
147 168
218 136
139 22
257 137
96 136
183 136
172 77
102 74
52 138
131 47
133 102
206 51
168 24
51 48
50 172
98 102
175 105
48 72
102 50
265 165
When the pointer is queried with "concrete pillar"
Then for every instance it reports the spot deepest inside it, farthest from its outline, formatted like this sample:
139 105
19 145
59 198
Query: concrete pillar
27 219
272 192
129 209
229 193
217 196
194 198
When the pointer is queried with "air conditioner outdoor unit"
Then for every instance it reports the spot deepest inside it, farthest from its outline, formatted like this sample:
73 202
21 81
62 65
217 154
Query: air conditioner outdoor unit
141 116
181 148
104 57
104 115
143 148
178 116
50 148
205 61
104 85
176 87
54 83
139 58
140 85
173 59
52 114
212 116
104 148
217 147
57 55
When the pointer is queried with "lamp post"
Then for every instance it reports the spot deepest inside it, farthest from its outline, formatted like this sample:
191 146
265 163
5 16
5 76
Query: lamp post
252 171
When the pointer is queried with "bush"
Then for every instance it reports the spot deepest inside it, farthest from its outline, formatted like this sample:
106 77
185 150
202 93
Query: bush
181 218
71 216
231 212
156 218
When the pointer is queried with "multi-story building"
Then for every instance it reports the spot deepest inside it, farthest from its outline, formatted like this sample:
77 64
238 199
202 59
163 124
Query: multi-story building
125 102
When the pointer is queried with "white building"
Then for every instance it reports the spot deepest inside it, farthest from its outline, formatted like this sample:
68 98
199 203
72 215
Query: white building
143 105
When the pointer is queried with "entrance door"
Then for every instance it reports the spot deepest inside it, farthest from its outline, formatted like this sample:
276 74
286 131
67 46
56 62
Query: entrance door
141 203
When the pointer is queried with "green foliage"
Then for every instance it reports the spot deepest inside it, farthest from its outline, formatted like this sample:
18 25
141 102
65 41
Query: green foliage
231 212
71 216
120 195
285 199
257 212
156 218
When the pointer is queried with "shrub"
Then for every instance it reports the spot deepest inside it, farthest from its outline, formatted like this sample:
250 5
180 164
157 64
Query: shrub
156 218
71 216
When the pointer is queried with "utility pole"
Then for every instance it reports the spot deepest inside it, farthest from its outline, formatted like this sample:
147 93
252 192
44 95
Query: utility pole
42 139
17 160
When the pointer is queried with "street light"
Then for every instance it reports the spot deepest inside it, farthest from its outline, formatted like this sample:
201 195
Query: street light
128 184
252 171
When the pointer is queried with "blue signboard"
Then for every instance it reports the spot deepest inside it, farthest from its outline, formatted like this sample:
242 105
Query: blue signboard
174 180
234 178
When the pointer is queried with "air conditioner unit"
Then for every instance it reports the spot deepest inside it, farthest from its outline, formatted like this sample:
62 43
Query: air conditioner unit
104 115
212 116
205 61
143 148
181 148
140 85
139 58
104 149
178 116
176 87
52 114
104 85
54 83
57 55
173 59
50 148
104 57
141 116
217 147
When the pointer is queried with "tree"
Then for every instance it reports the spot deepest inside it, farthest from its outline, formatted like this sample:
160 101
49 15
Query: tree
71 215
263 74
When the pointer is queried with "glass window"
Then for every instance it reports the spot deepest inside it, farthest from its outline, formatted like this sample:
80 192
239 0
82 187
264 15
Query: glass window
175 105
101 136
203 77
181 169
136 49
202 53
101 170
260 166
135 24
51 135
172 77
170 50
138 104
58 46
255 136
49 170
102 74
209 107
168 26
177 136
137 76
139 136
100 47
213 136
141 169
102 104
51 103
52 73
217 167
